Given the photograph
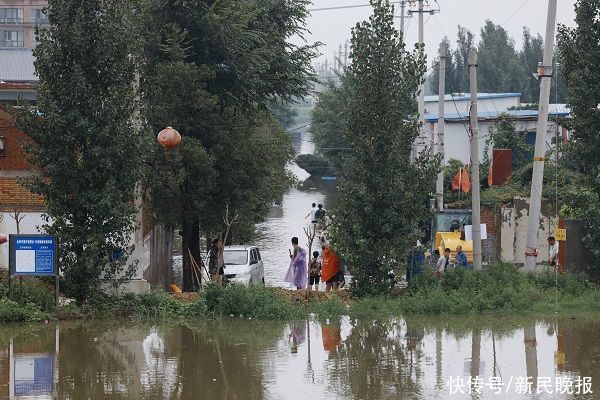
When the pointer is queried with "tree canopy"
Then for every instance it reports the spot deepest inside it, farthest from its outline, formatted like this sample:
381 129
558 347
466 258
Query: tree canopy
84 147
214 71
383 196
502 68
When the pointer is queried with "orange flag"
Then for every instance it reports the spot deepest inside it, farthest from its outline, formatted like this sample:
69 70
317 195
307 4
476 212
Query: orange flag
490 179
465 181
456 180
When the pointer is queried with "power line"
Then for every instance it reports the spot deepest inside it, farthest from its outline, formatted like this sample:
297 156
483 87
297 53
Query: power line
347 7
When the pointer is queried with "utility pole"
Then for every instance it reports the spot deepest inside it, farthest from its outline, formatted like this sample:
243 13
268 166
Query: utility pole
535 202
421 86
439 187
402 8
476 208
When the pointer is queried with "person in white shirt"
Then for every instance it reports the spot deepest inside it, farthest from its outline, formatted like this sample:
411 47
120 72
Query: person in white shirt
311 214
552 252
442 263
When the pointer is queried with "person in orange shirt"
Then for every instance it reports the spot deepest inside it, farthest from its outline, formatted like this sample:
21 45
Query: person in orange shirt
331 267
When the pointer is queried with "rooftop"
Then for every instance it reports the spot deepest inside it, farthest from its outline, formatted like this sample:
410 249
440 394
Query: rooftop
467 96
555 110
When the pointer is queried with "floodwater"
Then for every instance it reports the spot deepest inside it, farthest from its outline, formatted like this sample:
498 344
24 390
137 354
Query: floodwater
399 358
285 221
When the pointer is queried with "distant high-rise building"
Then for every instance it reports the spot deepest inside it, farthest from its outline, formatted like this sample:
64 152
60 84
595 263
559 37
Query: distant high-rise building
17 21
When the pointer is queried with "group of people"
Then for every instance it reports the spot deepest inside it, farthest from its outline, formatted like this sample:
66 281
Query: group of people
443 261
324 266
317 216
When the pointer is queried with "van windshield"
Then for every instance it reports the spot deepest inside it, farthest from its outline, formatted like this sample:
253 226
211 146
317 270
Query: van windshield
235 257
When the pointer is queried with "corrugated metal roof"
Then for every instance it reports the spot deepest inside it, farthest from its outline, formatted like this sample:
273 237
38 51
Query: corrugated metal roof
556 110
467 96
16 65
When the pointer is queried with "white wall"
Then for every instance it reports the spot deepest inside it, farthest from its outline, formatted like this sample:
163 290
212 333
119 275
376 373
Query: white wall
29 224
457 142
513 238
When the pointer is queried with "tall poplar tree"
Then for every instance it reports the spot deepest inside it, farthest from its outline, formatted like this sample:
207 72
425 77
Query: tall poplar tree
383 196
84 148
579 56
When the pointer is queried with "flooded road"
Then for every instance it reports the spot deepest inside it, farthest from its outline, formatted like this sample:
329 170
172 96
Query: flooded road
400 358
284 222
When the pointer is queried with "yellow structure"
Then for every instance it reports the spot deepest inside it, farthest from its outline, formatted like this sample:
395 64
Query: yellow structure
451 240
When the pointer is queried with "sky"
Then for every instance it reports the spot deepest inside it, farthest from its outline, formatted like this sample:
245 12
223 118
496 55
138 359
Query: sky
332 27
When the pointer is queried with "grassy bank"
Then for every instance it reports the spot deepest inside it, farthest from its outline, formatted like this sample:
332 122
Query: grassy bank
499 288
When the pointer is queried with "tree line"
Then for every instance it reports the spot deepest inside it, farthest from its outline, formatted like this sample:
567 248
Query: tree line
501 67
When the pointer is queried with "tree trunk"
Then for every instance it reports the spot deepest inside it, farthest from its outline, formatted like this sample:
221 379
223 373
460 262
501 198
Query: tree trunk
190 243
160 273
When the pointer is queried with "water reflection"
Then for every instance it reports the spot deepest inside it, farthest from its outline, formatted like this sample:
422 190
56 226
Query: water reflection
400 358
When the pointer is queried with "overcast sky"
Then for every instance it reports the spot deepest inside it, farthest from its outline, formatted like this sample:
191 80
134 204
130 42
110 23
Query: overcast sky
332 27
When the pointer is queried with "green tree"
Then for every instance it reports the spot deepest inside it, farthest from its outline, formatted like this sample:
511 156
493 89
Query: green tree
328 126
465 43
213 70
504 135
382 195
284 113
84 146
579 54
498 61
529 57
451 71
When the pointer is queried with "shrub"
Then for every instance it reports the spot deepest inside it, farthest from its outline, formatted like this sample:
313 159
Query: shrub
11 311
254 301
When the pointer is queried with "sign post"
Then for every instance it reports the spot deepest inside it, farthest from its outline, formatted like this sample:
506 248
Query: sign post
34 255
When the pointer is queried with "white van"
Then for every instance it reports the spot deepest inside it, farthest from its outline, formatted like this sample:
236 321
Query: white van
243 264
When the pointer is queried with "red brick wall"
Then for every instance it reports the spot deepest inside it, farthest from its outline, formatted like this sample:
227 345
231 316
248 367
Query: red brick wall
13 195
13 159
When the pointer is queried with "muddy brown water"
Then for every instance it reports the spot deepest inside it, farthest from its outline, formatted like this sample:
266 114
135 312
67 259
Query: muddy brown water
398 358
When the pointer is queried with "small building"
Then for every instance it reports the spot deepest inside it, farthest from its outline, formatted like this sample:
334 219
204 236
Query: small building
492 108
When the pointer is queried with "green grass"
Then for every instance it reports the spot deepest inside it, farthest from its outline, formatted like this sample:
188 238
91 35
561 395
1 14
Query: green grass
498 289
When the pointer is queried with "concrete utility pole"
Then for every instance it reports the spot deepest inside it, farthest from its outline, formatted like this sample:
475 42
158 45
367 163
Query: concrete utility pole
421 87
475 163
535 202
402 8
439 187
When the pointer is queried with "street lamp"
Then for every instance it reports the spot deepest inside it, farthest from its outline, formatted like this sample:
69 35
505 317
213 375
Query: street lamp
169 138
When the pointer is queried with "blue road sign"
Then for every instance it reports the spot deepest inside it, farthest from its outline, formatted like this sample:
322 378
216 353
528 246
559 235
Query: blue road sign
33 255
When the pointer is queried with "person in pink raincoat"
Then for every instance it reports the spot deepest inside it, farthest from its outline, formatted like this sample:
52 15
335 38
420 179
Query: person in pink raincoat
297 272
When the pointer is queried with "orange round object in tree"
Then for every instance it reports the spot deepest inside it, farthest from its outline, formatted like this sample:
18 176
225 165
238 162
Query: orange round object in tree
169 138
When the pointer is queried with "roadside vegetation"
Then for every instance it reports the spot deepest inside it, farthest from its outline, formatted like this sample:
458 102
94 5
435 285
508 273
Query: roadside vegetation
498 289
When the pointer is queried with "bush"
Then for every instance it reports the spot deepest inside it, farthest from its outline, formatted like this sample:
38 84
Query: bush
30 291
255 301
314 165
11 311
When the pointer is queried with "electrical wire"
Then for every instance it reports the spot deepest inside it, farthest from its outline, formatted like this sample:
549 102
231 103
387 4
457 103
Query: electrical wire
346 7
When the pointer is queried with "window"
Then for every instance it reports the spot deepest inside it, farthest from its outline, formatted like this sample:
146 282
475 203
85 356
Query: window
39 16
235 257
253 256
11 38
258 254
11 15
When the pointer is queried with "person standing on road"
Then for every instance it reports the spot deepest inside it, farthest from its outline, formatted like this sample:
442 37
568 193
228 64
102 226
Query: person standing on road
216 263
320 216
461 257
442 263
311 214
314 269
552 252
296 274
